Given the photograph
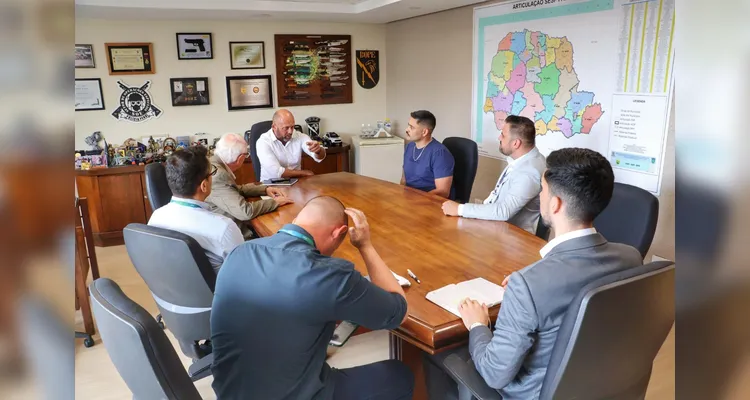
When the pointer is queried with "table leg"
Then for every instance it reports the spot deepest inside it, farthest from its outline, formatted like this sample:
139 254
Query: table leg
412 357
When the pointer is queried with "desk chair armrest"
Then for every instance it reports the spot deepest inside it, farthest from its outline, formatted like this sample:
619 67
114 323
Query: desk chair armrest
201 368
469 380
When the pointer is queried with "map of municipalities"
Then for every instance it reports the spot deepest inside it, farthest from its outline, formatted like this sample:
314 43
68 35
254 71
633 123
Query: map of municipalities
533 75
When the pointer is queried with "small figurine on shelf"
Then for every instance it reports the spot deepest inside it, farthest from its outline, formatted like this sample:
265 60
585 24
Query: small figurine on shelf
169 146
93 141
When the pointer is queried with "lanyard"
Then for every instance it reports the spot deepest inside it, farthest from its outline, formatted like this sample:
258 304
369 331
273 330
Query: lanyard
185 203
299 235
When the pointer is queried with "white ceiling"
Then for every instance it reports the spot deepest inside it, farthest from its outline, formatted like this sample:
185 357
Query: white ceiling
362 11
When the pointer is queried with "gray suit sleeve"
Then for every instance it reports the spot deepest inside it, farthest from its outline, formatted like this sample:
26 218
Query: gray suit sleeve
499 357
522 188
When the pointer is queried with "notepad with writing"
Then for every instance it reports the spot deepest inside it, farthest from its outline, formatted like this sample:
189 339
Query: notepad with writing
401 280
478 289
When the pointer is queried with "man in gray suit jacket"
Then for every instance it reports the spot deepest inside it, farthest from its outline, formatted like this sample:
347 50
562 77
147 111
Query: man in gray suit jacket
576 186
516 195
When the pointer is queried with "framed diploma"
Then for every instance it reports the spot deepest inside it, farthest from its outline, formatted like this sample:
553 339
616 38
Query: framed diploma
89 95
130 58
247 55
85 56
248 92
194 46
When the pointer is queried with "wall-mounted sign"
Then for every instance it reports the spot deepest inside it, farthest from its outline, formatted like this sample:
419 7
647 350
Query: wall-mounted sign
136 104
368 68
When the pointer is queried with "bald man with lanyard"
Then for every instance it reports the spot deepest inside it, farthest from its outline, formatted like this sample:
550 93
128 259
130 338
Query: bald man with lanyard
276 303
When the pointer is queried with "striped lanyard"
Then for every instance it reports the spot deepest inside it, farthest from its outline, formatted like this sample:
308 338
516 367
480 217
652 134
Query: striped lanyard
185 203
299 235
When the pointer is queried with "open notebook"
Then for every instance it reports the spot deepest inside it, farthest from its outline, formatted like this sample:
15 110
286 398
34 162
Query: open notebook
478 289
401 280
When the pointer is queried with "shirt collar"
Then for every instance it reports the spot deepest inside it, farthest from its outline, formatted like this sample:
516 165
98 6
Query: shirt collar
564 238
298 232
201 204
226 167
512 161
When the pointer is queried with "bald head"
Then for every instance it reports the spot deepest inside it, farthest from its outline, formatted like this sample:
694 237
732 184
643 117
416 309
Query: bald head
324 218
323 211
282 125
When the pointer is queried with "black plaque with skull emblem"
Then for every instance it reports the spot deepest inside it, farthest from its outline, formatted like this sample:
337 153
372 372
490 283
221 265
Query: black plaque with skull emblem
136 104
368 68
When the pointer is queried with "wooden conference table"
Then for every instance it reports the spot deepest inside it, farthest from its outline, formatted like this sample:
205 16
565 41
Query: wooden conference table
409 230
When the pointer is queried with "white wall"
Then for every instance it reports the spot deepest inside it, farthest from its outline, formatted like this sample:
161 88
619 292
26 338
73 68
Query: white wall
215 119
430 67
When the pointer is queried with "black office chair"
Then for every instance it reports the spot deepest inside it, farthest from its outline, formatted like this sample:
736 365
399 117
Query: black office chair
630 217
607 342
157 188
251 137
542 231
466 158
139 349
181 280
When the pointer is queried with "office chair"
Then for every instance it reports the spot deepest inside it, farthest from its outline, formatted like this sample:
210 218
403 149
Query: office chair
157 188
542 231
630 217
139 349
251 137
466 156
607 341
181 280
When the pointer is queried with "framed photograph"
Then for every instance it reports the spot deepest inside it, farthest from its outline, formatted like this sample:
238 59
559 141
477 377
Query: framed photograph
248 92
189 91
194 46
89 96
85 56
130 58
247 55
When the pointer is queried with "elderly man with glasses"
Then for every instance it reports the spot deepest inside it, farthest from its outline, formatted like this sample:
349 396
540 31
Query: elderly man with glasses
227 197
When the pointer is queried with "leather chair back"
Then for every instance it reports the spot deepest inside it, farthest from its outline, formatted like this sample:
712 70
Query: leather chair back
630 217
466 157
251 137
157 188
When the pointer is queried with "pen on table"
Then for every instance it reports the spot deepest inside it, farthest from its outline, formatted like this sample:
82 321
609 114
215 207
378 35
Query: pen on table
408 271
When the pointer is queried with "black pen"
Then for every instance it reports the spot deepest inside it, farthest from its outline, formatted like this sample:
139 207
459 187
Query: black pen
408 271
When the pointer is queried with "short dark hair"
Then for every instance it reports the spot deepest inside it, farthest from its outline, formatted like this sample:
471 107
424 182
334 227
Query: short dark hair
425 118
186 169
522 128
584 180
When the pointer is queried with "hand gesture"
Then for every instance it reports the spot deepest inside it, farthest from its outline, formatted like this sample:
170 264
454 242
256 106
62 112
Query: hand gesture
313 146
275 191
359 234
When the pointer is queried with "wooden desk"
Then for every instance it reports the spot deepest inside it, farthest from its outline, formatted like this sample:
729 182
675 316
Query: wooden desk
409 230
117 196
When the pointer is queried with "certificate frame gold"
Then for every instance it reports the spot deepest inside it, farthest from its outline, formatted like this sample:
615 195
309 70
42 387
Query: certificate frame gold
148 51
262 64
268 101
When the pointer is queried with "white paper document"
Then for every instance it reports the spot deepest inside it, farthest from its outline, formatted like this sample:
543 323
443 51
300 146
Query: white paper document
401 280
478 289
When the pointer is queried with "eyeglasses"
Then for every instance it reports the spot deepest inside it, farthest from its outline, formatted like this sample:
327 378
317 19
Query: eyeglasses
213 171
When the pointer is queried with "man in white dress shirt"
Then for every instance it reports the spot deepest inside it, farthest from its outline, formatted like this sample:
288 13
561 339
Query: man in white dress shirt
189 175
515 198
280 149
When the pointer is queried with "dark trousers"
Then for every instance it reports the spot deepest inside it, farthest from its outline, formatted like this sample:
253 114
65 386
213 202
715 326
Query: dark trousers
440 385
386 380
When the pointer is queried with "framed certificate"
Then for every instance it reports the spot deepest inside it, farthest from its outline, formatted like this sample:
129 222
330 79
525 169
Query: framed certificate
89 94
247 55
248 92
130 58
189 91
85 56
194 46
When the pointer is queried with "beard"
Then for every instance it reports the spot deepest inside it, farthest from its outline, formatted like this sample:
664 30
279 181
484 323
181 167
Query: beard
507 154
545 221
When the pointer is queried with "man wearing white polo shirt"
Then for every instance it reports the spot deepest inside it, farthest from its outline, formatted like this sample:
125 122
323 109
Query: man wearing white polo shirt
189 175
280 149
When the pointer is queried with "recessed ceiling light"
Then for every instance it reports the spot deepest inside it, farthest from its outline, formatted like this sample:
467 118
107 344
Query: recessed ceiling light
415 8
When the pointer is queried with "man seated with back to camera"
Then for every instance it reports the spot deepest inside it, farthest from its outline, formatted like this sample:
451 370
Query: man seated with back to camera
576 186
189 175
276 303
